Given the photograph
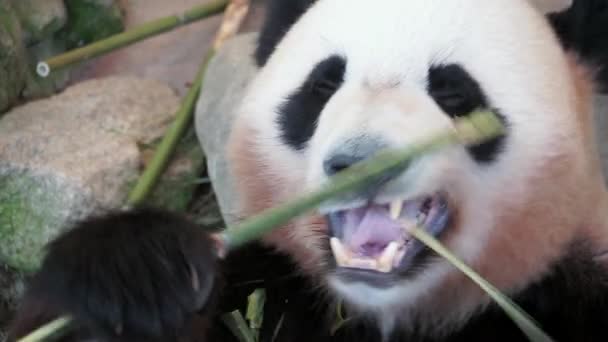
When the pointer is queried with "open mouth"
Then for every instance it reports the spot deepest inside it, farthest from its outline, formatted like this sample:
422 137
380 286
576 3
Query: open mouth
375 237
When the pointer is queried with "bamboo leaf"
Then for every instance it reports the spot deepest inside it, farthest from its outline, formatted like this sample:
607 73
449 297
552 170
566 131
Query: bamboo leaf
255 311
238 326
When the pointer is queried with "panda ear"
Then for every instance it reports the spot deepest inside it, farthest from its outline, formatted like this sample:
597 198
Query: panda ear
280 16
583 29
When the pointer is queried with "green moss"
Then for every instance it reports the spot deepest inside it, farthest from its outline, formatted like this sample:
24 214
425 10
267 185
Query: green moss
29 213
13 68
91 20
8 19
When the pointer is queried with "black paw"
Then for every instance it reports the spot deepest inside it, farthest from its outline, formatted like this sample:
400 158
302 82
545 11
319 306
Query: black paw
140 275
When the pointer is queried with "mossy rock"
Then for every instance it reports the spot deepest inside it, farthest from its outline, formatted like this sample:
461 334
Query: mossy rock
40 19
12 56
91 20
32 212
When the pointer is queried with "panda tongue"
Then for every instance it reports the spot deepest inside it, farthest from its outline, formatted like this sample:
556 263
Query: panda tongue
368 231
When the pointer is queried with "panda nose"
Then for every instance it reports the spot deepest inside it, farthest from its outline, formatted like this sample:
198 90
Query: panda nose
351 152
340 162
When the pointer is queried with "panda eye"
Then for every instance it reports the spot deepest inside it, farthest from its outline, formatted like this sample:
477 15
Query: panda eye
325 87
299 114
454 90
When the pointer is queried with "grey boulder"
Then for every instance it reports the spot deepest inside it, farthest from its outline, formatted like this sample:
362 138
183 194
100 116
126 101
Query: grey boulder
67 156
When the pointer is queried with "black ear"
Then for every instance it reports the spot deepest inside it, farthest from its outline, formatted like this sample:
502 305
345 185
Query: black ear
280 16
583 28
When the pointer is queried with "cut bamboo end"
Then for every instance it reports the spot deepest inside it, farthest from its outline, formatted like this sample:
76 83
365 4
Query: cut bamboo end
43 69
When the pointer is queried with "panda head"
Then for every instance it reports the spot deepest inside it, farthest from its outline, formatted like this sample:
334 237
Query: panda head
351 78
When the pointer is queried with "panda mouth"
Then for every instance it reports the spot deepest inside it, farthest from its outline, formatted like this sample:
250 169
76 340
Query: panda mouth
375 237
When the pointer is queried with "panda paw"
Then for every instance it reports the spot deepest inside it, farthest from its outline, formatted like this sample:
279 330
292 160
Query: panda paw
140 275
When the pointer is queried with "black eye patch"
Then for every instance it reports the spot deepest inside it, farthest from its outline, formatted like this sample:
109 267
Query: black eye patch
458 94
299 115
454 90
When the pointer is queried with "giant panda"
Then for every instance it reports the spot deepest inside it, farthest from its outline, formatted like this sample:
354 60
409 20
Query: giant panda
340 80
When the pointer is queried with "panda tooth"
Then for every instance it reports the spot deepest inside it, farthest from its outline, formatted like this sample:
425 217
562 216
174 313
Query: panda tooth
368 264
398 257
396 207
385 262
340 253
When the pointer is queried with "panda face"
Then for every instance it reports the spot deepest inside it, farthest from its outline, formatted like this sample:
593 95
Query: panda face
352 78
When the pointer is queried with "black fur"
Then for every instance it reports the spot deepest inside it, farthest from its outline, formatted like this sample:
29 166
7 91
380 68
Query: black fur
280 16
299 114
583 28
455 90
458 94
140 275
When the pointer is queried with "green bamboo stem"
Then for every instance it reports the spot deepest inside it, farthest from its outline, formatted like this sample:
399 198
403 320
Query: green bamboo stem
238 326
517 315
474 129
46 331
183 118
136 34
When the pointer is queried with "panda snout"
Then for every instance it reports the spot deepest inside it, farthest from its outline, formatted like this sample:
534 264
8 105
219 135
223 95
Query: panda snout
352 151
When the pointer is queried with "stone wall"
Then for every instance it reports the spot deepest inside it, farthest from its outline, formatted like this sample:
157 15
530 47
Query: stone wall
32 30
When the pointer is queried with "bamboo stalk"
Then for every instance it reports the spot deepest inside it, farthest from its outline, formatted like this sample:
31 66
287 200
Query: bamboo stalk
47 331
233 18
183 118
238 326
517 315
136 34
474 129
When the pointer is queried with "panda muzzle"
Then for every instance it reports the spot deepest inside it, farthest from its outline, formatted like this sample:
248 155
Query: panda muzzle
375 237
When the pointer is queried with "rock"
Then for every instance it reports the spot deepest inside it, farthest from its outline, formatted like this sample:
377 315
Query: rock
37 86
227 78
91 20
601 118
40 18
72 154
12 57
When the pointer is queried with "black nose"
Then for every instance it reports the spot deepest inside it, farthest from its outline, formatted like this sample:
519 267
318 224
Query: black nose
351 152
340 162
